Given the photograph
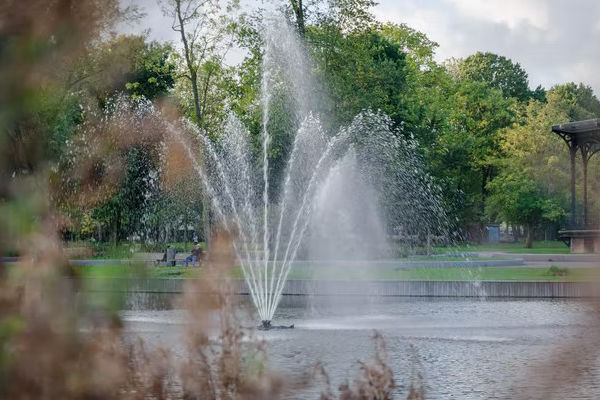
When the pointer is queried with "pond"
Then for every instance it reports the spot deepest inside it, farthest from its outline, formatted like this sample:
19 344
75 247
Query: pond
466 348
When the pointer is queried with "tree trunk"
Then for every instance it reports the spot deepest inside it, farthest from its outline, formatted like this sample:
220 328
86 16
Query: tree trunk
299 13
193 76
206 222
428 242
193 73
185 230
194 79
529 237
116 225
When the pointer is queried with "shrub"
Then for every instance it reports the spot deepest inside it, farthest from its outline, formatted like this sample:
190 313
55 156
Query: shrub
558 271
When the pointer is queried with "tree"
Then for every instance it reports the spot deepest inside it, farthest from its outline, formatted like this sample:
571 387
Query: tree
348 15
498 72
121 64
298 10
467 141
531 145
153 72
419 48
206 32
362 70
578 101
428 85
57 34
518 200
539 155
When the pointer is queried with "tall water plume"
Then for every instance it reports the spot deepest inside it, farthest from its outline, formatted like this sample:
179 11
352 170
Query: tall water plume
269 209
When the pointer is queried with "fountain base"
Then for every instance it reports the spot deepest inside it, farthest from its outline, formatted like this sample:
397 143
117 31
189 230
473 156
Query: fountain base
266 326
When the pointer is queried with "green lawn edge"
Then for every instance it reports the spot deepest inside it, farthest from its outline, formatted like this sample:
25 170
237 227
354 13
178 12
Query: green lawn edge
526 274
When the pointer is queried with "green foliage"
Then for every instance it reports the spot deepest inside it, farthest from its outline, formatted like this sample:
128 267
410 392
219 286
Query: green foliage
362 69
467 140
498 72
419 48
558 271
578 101
153 72
125 63
215 81
518 200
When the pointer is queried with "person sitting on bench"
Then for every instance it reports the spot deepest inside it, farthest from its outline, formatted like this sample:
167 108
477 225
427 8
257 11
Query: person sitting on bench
195 256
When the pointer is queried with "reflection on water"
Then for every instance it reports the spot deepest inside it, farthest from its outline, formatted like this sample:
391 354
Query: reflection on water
468 349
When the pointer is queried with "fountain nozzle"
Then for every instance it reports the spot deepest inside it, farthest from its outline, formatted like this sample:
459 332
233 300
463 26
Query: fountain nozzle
266 325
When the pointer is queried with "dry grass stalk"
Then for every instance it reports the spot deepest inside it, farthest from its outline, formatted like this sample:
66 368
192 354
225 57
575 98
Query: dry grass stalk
52 345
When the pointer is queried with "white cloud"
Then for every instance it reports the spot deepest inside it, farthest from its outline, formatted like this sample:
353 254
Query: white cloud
554 40
509 12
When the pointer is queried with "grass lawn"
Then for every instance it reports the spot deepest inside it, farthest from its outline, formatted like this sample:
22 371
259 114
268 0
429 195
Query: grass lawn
99 251
456 274
435 259
140 271
87 250
542 247
494 274
419 273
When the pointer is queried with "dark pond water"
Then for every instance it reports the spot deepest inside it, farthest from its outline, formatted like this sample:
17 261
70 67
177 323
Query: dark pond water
466 348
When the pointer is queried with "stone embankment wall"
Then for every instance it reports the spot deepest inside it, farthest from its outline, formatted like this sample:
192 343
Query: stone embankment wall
297 287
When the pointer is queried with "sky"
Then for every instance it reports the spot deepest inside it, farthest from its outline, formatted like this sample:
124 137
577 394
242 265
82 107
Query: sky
555 41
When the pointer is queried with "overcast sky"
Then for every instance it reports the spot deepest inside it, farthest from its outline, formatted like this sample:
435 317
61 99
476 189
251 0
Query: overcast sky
555 41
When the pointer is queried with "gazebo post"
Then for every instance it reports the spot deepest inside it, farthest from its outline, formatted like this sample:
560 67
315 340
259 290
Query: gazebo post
573 153
585 159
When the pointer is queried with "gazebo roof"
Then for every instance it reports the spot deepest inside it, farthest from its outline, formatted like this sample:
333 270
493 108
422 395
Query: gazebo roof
579 133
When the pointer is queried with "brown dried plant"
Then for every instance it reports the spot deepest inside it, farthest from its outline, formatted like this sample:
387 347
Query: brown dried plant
53 343
375 380
217 368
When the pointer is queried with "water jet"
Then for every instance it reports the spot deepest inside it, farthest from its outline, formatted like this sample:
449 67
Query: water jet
269 220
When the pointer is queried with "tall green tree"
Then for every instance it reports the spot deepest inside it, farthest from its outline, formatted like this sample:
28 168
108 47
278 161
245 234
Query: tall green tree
360 70
498 72
519 200
206 29
348 15
153 72
122 65
466 144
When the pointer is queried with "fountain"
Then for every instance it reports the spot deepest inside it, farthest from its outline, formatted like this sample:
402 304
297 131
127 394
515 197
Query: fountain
269 216
323 204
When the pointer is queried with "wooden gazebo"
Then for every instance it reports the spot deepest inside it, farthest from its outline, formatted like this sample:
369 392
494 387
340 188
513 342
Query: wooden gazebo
583 137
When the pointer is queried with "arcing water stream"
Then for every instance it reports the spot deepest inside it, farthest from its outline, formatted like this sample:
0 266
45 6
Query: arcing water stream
269 220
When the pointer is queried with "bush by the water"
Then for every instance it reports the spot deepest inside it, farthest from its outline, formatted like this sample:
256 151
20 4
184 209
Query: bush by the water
558 271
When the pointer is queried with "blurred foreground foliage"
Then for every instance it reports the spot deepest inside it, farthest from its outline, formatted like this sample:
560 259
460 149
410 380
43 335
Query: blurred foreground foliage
54 341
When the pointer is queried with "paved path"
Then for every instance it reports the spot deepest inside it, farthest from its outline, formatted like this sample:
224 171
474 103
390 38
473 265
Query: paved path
547 260
570 264
510 259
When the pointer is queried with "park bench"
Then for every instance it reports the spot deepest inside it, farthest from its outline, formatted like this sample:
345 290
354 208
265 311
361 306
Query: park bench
158 259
